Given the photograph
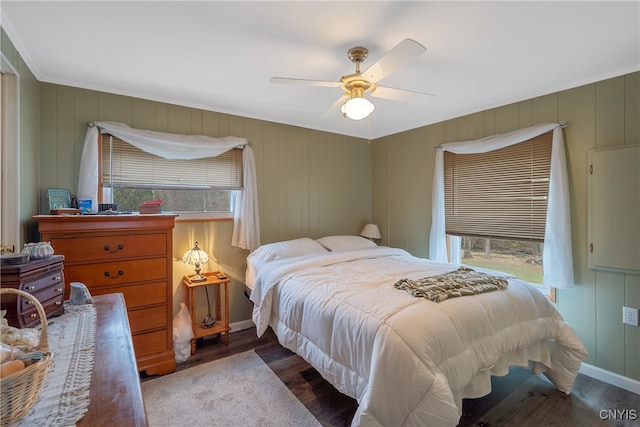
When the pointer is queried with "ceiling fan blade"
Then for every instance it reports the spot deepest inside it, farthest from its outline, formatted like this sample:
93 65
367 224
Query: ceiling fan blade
402 54
331 111
400 95
286 80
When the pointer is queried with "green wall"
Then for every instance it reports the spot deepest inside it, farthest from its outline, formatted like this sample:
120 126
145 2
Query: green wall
600 115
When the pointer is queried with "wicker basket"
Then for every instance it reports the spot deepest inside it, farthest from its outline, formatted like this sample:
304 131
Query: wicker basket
19 391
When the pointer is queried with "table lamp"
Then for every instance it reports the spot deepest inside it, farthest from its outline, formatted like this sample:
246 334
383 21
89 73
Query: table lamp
371 231
196 256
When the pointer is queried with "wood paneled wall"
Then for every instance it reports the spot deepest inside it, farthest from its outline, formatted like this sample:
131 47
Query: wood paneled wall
310 183
603 114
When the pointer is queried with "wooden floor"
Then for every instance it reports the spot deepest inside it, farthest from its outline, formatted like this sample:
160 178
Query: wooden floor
519 399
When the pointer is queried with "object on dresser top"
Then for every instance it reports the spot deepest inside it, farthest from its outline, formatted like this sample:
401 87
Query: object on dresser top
13 259
151 207
39 250
79 294
85 205
59 198
65 211
107 207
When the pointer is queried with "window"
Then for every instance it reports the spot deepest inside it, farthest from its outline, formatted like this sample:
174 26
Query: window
497 202
185 186
519 258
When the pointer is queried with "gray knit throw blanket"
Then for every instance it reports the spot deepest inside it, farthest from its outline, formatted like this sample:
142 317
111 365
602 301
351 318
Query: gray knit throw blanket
461 282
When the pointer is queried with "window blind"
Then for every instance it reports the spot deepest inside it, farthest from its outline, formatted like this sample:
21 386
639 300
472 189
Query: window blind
124 165
499 194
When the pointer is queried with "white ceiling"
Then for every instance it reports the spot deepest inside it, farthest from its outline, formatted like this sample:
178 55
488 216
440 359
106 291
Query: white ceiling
220 56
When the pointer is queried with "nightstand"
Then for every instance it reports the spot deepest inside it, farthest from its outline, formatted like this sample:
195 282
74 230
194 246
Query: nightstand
222 324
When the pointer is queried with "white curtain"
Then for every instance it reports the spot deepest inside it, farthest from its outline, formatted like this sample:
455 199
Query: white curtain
246 230
557 255
246 227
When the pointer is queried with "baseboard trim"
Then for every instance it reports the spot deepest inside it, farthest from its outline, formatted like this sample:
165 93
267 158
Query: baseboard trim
241 325
612 378
235 327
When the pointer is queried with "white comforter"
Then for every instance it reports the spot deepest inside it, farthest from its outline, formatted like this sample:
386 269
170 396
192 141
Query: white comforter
408 361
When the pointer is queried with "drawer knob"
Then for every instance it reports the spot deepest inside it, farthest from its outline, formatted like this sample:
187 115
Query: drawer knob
58 289
57 278
108 273
58 302
30 302
108 248
33 315
31 288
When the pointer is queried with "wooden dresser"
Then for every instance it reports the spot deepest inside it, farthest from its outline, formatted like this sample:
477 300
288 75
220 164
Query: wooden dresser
41 278
131 254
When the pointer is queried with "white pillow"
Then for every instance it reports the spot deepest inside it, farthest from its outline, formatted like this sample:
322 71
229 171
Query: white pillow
287 249
340 243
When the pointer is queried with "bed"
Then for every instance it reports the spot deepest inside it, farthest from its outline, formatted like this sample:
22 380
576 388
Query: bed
408 361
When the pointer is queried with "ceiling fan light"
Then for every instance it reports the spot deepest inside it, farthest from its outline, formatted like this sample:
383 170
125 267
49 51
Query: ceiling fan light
357 108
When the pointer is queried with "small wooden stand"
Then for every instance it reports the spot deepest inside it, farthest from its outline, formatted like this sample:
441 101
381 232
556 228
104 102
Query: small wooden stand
42 278
222 324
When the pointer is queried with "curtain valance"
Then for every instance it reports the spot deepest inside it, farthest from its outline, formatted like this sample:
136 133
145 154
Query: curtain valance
557 252
246 230
172 146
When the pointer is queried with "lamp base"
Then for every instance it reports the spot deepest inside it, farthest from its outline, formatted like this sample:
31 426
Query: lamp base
208 321
197 278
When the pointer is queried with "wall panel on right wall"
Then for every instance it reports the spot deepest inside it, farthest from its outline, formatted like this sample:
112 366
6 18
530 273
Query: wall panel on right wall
602 114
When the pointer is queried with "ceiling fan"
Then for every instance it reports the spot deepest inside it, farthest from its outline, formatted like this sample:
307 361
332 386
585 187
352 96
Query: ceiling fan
353 102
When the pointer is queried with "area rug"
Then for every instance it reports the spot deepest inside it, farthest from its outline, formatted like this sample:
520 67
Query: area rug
239 390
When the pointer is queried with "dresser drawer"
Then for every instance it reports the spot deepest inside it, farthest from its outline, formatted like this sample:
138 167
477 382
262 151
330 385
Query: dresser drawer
118 272
100 248
29 318
148 318
56 291
138 295
52 279
150 342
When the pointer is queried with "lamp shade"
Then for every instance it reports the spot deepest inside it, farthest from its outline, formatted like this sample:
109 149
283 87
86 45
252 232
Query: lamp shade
196 256
357 108
371 231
